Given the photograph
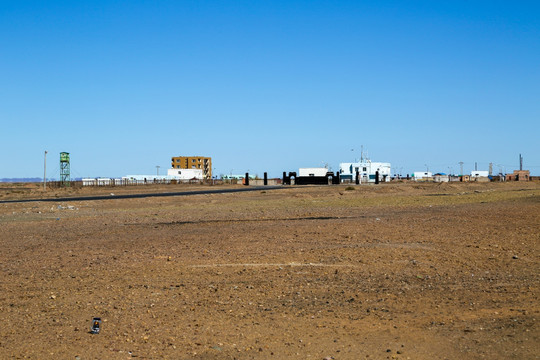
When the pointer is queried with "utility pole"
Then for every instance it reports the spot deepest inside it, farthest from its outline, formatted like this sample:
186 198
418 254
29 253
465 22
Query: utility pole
157 167
461 167
45 172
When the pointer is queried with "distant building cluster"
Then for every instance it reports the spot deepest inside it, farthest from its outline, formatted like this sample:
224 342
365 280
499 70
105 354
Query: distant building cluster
199 168
477 176
183 169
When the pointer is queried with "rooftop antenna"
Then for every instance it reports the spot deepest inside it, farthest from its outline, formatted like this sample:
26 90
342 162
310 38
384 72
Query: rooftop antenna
362 153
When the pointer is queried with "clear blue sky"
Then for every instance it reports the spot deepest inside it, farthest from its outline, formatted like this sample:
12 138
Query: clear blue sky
268 85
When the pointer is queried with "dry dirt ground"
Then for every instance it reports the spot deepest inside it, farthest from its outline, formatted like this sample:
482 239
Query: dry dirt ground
394 271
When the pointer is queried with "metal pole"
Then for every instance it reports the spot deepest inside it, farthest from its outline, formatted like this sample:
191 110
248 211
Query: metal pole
157 167
45 172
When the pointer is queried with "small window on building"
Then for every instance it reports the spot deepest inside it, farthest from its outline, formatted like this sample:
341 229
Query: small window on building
364 169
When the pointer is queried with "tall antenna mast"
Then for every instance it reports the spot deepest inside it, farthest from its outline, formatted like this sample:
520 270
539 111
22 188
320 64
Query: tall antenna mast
45 172
362 153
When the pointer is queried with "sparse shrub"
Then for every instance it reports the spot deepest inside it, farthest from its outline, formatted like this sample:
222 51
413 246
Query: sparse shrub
349 188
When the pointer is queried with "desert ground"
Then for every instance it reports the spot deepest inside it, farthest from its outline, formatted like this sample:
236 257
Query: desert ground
392 271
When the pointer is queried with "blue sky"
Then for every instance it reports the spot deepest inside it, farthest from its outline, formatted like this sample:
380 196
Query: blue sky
268 85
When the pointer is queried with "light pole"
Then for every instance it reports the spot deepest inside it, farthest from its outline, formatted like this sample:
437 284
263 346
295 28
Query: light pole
45 172
157 167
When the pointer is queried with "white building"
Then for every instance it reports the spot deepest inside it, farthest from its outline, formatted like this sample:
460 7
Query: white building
89 182
366 170
312 171
441 178
478 173
172 174
185 174
422 175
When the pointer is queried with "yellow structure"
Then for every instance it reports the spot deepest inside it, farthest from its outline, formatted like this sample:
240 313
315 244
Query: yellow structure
193 162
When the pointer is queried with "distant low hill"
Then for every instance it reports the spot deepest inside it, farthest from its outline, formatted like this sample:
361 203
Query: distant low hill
30 180
13 180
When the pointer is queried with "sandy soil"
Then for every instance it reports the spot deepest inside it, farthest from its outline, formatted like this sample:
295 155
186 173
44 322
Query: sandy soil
395 271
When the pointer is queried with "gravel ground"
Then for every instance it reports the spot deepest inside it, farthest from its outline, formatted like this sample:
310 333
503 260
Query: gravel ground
395 271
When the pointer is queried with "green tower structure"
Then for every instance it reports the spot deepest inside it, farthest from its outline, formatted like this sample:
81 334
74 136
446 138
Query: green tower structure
64 169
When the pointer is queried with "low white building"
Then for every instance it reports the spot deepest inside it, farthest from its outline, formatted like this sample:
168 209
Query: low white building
441 177
479 173
89 182
312 171
172 174
422 175
104 181
367 171
144 178
185 174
